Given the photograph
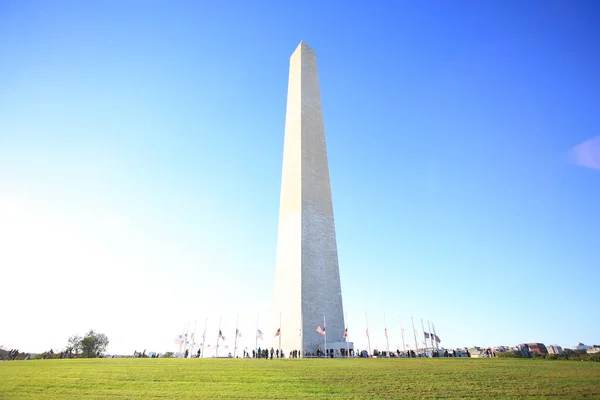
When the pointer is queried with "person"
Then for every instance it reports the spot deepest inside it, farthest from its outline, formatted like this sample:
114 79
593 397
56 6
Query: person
272 352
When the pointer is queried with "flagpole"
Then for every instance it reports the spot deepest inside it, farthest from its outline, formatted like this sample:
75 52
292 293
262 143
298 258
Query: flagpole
436 342
415 334
237 320
182 347
182 336
424 337
430 337
187 337
325 328
204 336
256 339
193 338
218 338
368 338
387 339
402 330
346 333
280 335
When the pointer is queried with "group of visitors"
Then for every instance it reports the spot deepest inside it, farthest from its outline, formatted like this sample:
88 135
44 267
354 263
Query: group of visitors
265 353
12 355
453 354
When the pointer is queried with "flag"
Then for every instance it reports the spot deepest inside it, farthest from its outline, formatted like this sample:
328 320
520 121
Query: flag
278 332
437 339
238 333
346 332
426 335
221 335
259 334
367 332
320 330
432 336
385 332
179 339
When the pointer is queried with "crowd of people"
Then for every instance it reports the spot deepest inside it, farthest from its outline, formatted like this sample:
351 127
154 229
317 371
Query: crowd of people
12 355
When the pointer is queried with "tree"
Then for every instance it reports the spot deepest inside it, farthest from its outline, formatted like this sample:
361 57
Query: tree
93 344
74 344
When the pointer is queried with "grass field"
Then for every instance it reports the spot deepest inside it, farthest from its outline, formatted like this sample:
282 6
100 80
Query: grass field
297 379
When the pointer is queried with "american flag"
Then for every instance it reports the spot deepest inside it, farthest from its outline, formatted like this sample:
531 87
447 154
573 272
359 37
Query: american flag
437 339
221 335
238 333
320 330
179 339
259 334
278 332
426 335
385 332
346 332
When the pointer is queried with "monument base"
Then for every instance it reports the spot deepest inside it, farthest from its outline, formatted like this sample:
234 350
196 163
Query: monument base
335 350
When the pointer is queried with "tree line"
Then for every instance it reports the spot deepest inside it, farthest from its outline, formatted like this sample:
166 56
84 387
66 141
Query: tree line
92 345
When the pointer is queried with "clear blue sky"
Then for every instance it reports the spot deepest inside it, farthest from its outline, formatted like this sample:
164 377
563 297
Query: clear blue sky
140 163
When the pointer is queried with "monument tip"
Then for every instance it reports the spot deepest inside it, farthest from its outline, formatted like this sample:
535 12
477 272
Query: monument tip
303 44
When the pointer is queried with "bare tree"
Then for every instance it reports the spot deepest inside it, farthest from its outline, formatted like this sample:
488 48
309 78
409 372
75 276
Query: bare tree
74 344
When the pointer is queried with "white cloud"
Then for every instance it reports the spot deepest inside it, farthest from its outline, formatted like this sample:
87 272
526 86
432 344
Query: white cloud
587 154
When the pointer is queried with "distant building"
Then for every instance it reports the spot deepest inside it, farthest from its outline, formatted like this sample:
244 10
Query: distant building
524 350
594 349
581 346
554 349
538 348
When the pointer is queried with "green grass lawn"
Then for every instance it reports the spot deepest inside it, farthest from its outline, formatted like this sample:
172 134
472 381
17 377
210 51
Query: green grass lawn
297 378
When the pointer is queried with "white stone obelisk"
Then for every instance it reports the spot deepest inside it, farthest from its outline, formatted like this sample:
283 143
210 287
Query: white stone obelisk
307 278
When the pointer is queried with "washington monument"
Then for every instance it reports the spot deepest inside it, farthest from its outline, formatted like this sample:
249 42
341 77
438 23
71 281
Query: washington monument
307 276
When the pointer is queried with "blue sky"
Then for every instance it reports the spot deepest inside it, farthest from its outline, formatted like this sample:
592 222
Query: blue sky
140 163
